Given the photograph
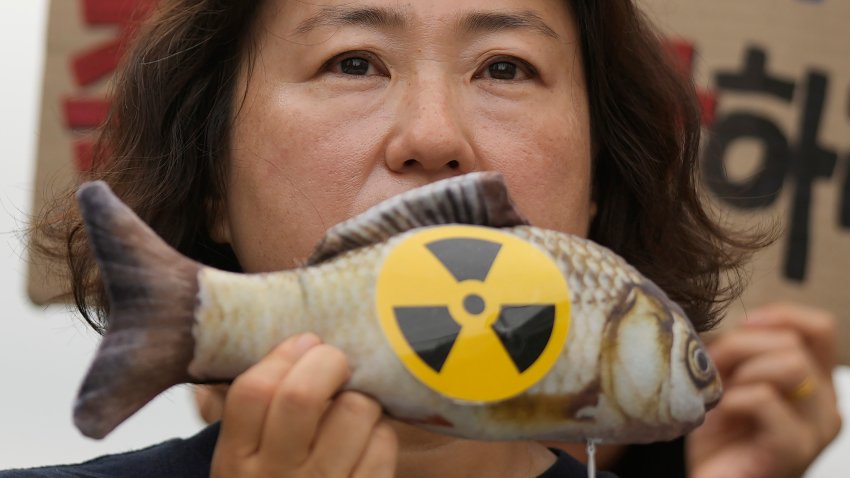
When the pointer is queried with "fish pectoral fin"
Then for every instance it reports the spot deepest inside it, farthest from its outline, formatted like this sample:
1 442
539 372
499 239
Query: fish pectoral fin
479 199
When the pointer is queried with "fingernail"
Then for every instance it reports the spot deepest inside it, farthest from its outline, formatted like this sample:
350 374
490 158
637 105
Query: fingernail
305 342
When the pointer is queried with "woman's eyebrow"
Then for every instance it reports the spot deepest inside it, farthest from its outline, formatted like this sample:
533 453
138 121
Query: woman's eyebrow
477 22
371 17
474 22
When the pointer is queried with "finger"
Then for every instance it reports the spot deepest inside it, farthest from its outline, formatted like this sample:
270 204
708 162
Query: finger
300 402
379 459
757 420
797 377
817 327
731 350
762 405
785 370
251 395
344 433
209 400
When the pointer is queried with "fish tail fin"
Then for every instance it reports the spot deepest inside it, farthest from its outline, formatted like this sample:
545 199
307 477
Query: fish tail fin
152 291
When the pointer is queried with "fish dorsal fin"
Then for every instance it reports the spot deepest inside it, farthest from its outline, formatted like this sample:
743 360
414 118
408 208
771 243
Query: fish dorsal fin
476 198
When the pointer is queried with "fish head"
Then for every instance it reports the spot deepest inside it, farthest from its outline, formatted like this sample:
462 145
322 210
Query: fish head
694 371
694 382
657 369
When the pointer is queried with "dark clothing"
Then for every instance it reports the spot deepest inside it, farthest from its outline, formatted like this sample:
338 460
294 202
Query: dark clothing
190 458
663 459
569 467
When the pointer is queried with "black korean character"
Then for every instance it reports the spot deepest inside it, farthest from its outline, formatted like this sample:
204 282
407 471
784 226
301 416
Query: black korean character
804 161
811 161
754 78
762 189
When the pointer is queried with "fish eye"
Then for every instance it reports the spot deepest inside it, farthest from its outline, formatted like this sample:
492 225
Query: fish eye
701 360
699 364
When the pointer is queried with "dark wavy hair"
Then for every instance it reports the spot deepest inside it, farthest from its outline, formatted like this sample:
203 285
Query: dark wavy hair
164 150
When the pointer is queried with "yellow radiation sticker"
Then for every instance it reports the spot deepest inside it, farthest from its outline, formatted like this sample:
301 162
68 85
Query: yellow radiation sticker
474 313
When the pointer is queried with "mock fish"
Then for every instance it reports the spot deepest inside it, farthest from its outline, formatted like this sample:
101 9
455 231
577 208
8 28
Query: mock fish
454 313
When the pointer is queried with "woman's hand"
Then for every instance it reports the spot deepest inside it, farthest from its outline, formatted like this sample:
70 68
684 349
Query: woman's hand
283 418
209 400
779 408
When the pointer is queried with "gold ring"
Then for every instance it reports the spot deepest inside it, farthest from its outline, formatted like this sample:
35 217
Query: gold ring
803 390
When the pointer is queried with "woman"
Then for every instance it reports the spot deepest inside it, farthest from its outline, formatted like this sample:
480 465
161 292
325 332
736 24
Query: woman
241 130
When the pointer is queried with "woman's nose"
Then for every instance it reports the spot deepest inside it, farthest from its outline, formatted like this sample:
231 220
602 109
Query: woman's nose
430 134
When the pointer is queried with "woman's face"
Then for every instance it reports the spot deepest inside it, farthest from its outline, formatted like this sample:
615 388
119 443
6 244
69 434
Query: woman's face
350 102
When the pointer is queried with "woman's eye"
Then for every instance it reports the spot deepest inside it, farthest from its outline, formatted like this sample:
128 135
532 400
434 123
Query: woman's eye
508 70
502 70
354 66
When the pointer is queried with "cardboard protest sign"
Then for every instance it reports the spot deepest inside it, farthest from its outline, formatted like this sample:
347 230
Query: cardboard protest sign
774 79
85 41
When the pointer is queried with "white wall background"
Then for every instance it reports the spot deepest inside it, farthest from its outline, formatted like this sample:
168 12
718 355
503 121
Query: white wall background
44 352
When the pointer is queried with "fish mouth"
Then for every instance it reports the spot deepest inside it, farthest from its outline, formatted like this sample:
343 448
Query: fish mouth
712 402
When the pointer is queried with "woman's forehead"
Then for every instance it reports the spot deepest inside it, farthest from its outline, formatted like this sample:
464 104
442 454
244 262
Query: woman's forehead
300 18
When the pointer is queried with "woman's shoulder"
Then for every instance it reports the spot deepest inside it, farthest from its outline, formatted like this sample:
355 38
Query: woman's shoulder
184 458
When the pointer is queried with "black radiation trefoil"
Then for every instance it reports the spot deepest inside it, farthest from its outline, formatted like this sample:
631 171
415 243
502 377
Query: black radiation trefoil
466 258
524 330
430 330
